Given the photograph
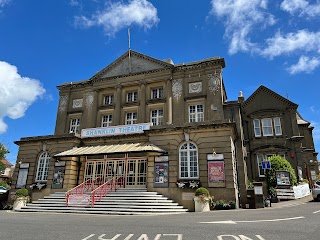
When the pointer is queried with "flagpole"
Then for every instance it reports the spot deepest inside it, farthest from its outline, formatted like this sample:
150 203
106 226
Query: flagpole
129 49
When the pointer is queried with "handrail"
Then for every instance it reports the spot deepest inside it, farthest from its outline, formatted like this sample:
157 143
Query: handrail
82 188
101 191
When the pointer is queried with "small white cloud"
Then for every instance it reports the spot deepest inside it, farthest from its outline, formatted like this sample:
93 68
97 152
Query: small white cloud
285 44
240 17
17 93
316 132
313 109
301 7
4 3
119 15
305 64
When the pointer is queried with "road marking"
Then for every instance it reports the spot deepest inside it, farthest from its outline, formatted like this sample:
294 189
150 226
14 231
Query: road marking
316 211
142 237
252 221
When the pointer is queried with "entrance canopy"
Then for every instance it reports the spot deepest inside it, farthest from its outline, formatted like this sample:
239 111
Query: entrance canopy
114 148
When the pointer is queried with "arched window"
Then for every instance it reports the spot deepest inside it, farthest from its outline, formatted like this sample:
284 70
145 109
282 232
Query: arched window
43 167
188 157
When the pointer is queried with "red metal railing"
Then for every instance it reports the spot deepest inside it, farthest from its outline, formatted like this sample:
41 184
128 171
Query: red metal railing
80 195
101 191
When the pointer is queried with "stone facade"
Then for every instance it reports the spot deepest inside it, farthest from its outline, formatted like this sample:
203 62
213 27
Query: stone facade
204 138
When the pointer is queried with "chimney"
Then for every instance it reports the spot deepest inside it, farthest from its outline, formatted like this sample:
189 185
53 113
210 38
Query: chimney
240 97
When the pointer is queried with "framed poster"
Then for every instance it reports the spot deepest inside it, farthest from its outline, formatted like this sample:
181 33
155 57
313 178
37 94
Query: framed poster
58 174
216 174
161 174
283 178
23 175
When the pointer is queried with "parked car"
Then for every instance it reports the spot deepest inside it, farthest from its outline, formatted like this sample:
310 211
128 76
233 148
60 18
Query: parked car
3 190
316 191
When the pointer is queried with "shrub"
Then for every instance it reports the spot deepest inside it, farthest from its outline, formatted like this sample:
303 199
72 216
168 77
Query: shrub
279 163
202 191
4 184
23 192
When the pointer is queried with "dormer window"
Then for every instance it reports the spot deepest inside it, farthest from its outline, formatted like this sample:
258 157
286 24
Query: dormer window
157 93
108 100
132 96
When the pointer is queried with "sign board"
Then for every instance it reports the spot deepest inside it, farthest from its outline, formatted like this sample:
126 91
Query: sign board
211 157
187 195
115 130
216 174
161 174
283 178
258 190
266 165
161 159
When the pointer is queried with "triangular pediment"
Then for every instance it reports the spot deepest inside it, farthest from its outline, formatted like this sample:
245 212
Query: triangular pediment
132 62
265 99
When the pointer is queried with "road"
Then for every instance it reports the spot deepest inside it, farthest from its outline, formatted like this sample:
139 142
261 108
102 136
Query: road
296 222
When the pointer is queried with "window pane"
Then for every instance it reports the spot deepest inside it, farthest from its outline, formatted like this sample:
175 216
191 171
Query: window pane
189 161
277 126
43 167
257 130
267 127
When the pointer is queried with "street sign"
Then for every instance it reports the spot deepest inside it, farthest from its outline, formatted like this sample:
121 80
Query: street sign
266 165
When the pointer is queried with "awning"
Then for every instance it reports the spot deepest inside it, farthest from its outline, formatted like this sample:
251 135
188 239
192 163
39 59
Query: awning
114 148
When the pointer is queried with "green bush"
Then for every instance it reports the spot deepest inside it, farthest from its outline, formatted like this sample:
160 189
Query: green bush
202 191
23 192
4 184
279 163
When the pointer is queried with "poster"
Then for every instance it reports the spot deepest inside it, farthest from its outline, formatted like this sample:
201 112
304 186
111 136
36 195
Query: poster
216 174
22 178
283 178
58 175
161 174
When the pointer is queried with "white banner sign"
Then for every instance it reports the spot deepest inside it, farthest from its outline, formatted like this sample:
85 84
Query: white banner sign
115 130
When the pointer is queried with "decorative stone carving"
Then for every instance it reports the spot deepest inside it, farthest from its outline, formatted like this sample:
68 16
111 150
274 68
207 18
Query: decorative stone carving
177 88
213 83
89 99
63 103
77 103
195 87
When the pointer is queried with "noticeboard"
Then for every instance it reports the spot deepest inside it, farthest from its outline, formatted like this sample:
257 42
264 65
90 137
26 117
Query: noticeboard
161 174
283 178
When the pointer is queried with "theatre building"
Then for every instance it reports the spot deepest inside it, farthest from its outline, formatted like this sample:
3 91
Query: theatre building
162 126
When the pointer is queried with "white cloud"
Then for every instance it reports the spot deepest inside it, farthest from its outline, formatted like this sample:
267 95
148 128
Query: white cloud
17 93
285 44
305 64
301 7
313 109
240 18
119 15
4 2
316 131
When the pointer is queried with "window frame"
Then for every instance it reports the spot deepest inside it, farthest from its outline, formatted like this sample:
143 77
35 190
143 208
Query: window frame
132 96
108 122
108 99
75 125
158 118
132 120
44 164
158 92
256 126
186 153
264 127
275 125
197 116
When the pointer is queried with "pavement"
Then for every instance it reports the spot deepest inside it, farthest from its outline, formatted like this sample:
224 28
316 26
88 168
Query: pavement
293 202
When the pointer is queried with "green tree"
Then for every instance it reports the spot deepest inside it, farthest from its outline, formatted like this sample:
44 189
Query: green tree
279 163
3 152
2 166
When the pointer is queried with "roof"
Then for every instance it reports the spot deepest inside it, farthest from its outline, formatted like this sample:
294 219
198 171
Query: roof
6 162
114 148
300 120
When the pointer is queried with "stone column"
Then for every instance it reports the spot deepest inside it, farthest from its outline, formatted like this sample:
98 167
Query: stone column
142 107
169 101
117 106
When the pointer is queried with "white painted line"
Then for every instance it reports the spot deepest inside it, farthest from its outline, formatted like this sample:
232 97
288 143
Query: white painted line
225 222
266 220
316 211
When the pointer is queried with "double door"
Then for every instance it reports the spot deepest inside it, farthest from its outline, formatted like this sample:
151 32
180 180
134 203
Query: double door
133 171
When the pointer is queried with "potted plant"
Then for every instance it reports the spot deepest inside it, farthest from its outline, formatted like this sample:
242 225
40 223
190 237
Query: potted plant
202 200
21 198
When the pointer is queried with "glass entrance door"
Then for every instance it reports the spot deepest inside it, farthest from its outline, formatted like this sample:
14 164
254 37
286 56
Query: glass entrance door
137 173
95 171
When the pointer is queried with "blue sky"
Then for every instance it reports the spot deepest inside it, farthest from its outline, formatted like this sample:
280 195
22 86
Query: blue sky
46 43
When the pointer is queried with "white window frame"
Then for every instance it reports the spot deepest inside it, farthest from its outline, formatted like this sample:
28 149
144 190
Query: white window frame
74 125
265 127
196 115
131 118
43 167
156 117
277 126
106 120
108 99
157 93
257 127
188 161
132 96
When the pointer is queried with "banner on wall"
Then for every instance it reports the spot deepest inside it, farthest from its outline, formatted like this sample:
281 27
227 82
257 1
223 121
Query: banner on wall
161 174
216 174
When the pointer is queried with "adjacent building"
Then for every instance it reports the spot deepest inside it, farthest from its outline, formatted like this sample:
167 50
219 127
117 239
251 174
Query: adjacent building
165 127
